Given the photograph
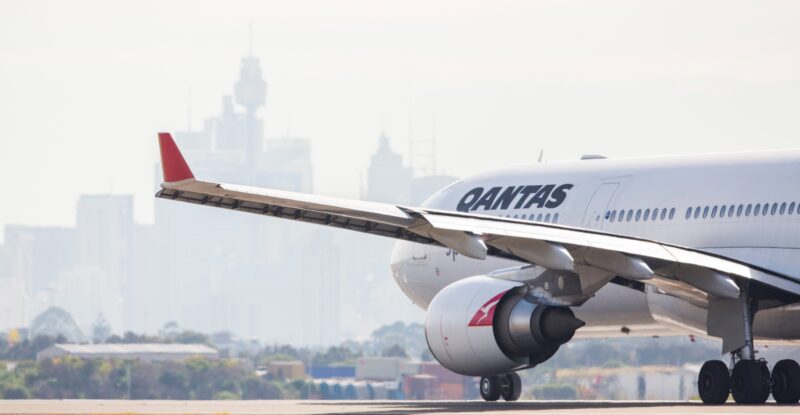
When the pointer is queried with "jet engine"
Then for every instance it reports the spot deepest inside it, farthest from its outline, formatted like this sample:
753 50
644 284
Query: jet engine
481 326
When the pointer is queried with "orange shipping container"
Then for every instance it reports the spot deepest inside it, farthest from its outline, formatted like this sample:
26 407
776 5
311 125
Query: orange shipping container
452 391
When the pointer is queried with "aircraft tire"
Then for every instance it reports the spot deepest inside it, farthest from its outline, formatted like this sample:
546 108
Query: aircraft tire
750 382
714 383
785 382
490 388
512 387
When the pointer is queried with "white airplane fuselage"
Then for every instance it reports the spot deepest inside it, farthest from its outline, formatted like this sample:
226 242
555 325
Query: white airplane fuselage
744 207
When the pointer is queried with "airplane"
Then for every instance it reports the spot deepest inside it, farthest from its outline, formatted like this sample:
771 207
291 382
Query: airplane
513 263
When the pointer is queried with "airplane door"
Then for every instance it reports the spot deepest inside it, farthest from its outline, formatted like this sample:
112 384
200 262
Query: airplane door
595 212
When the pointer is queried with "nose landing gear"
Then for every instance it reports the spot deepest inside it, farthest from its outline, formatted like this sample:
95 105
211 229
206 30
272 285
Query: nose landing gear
507 386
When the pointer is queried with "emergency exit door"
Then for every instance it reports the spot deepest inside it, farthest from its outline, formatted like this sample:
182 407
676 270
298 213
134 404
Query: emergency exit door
595 214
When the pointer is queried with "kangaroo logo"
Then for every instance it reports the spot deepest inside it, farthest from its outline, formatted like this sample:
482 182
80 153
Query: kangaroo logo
485 315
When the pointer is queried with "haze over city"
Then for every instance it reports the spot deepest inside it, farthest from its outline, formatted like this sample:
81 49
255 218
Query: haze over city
85 85
622 275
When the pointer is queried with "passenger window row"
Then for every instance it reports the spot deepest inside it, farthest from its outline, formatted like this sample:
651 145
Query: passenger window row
541 217
639 215
729 211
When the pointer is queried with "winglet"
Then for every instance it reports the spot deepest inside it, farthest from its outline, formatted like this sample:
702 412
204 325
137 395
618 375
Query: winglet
173 165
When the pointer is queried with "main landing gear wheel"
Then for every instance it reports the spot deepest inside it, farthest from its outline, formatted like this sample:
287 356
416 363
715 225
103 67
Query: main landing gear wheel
490 388
510 386
785 382
714 383
750 382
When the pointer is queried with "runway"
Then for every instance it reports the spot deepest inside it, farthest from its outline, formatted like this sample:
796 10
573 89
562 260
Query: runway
80 407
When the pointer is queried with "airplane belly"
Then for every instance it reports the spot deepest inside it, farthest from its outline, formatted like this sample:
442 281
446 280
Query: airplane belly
616 311
778 323
784 260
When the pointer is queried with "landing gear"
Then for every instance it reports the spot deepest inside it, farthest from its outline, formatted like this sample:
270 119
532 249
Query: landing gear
714 383
511 387
750 382
507 386
490 388
785 382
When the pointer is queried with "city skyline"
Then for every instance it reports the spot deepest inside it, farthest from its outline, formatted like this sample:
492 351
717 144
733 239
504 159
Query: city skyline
84 97
214 272
335 111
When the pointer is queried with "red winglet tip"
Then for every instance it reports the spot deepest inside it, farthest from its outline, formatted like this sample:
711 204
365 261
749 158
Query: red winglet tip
173 164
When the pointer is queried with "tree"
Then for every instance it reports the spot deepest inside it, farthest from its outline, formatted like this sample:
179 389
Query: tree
426 356
100 329
192 337
334 355
173 382
394 351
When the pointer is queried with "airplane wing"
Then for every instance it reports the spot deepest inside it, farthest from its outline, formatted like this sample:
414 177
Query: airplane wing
692 275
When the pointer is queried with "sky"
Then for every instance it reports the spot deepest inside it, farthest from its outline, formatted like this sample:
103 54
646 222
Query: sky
85 86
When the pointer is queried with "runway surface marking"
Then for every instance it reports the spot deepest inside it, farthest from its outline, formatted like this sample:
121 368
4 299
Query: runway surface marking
84 407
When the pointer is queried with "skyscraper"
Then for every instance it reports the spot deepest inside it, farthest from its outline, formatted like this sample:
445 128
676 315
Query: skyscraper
226 270
388 180
100 281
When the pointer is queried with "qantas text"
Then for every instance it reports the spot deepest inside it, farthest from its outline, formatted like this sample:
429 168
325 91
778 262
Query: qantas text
547 196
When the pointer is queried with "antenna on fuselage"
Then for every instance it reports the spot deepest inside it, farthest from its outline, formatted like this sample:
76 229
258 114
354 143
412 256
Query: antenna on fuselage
541 154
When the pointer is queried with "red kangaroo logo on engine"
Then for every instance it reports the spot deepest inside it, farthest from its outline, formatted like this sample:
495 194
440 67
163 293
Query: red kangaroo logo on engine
485 315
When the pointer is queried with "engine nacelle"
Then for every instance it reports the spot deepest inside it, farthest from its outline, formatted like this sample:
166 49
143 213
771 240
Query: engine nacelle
481 326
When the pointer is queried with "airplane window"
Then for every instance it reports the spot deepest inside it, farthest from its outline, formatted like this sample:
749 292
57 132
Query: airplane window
688 213
664 212
621 215
516 216
747 211
646 214
791 208
655 213
671 214
630 215
523 217
547 218
722 211
555 218
638 214
730 211
739 210
697 212
613 215
705 212
774 209
783 208
539 217
757 210
608 214
714 212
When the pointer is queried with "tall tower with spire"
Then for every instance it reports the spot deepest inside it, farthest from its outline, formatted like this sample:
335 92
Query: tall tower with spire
388 180
251 93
